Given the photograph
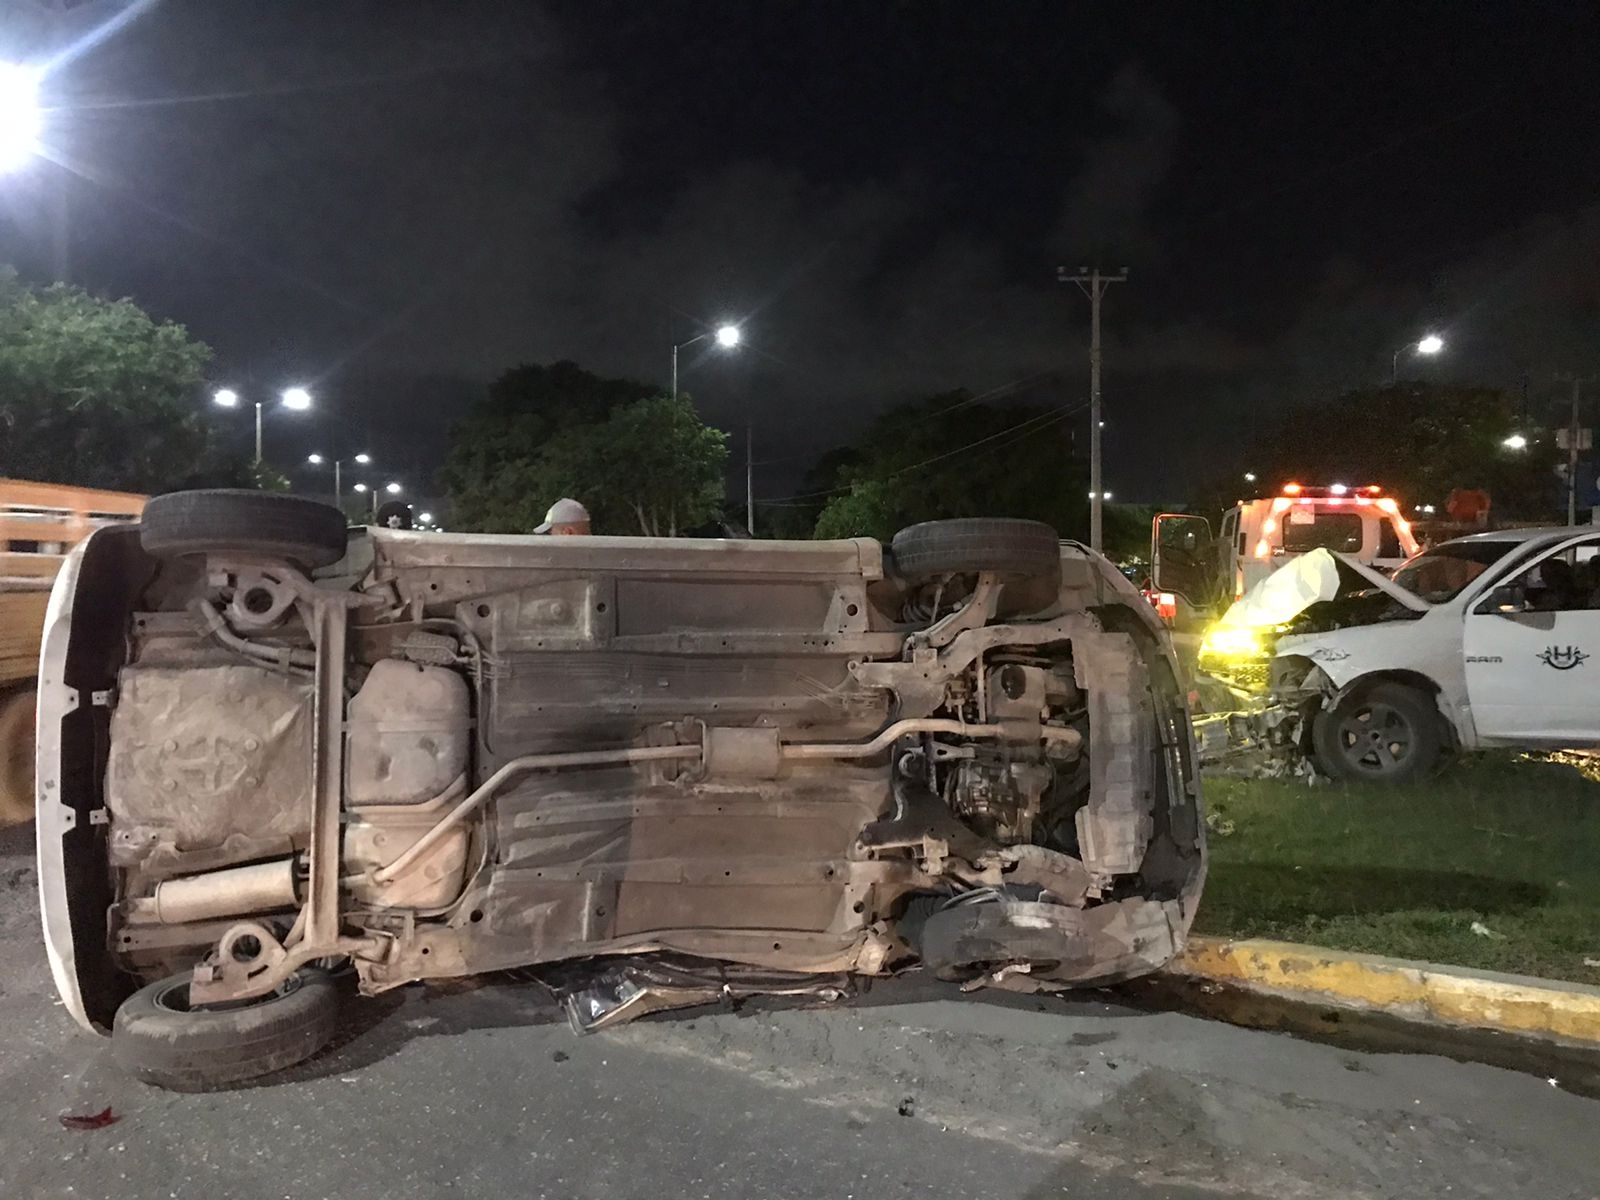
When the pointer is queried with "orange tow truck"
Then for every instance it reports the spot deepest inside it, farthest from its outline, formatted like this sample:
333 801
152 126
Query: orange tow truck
39 523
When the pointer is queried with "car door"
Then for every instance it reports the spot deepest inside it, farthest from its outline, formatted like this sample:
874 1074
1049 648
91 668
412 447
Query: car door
1532 649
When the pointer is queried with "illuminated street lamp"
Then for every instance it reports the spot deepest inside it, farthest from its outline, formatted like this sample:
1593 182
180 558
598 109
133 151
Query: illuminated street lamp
1428 346
425 518
296 398
316 460
1515 442
727 337
393 489
21 118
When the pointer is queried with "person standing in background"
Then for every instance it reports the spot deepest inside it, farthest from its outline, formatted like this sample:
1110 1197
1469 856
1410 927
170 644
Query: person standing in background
566 518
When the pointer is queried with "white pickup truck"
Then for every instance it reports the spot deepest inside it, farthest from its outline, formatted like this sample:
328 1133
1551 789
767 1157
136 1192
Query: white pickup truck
1483 641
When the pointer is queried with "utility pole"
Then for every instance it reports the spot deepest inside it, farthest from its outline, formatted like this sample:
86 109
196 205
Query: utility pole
1572 437
1572 455
1093 285
749 481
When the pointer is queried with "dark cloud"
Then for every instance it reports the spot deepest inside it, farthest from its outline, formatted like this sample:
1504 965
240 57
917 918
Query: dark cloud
1107 210
397 200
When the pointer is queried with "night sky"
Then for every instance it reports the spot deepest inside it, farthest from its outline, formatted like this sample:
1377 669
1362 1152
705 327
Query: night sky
391 202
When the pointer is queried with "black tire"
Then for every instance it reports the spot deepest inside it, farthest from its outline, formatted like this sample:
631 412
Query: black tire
967 940
1008 547
228 520
1388 733
158 1039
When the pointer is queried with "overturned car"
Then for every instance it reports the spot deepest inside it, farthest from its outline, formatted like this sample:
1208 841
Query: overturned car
269 749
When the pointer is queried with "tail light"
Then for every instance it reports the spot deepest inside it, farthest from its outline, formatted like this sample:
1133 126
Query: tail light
1167 606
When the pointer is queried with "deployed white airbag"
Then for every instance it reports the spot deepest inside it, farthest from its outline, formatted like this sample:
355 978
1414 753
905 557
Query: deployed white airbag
1286 593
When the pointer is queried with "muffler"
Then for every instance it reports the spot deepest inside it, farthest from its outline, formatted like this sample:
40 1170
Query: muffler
229 893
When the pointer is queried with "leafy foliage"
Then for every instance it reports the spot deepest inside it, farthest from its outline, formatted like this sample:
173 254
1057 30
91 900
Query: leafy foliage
641 463
495 473
95 393
948 457
1418 441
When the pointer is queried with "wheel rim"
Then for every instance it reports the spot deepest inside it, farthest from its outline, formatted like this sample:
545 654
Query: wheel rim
174 997
1377 739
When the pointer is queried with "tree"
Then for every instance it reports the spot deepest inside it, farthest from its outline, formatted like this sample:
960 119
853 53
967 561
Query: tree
96 393
494 472
1418 441
641 463
653 466
947 456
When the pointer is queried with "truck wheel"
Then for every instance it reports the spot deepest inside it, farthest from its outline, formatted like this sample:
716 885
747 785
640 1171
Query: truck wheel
159 1039
16 756
1012 548
227 520
1389 733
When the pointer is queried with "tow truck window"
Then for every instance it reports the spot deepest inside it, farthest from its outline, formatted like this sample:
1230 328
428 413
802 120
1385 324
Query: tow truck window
1340 531
1389 540
1440 574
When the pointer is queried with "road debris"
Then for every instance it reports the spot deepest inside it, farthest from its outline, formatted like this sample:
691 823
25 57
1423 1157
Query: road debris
97 1120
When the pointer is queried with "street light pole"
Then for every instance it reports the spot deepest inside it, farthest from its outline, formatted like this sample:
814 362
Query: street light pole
1430 345
258 433
749 481
727 337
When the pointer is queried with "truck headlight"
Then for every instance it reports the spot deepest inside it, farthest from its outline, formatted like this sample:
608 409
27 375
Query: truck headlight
1233 641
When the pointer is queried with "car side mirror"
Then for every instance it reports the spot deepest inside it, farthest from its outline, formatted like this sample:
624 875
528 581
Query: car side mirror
1183 556
1504 601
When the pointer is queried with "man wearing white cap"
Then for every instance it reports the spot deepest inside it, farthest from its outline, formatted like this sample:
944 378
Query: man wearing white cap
566 518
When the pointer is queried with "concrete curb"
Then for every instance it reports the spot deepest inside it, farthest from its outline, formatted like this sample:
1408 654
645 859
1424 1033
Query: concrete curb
1421 991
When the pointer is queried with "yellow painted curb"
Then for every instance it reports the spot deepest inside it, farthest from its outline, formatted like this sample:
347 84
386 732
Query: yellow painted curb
1517 1004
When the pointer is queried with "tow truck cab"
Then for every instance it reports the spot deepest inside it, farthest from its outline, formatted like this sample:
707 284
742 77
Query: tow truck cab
1189 563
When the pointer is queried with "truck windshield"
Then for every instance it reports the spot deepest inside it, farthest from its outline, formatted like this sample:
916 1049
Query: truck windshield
1439 574
1340 531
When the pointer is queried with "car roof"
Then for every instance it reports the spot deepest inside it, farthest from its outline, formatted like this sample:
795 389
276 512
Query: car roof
1555 533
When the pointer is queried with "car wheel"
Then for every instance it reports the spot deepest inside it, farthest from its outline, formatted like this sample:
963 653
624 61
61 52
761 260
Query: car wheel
225 520
1011 548
16 756
159 1039
1389 733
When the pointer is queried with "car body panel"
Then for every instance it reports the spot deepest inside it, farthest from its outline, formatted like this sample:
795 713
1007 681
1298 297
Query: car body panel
54 819
81 652
560 748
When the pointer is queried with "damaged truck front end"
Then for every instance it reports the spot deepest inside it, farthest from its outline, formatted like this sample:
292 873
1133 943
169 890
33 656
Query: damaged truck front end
665 769
1284 654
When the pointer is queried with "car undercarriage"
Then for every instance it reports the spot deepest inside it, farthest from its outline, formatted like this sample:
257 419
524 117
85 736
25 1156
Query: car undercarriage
431 756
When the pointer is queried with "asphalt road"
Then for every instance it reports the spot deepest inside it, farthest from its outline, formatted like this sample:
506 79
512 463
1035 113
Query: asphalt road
910 1090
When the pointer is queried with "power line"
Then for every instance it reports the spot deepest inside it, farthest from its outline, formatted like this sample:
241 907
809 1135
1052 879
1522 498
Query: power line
1032 425
994 393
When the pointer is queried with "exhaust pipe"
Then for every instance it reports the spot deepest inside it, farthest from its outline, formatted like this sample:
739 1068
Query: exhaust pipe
230 893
